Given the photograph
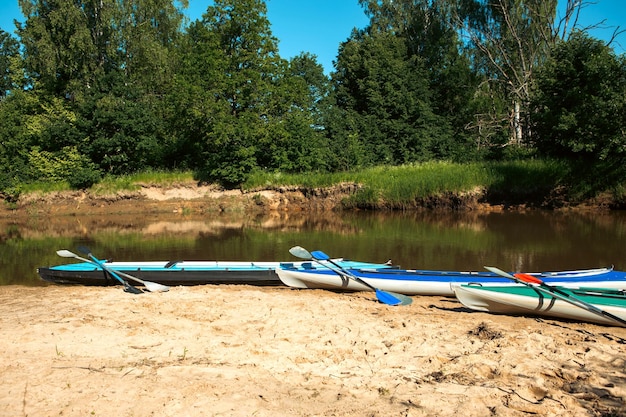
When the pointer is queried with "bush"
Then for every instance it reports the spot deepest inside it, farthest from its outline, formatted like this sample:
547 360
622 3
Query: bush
66 165
84 177
579 103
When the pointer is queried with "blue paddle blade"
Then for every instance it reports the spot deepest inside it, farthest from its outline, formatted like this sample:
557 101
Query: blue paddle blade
392 299
319 255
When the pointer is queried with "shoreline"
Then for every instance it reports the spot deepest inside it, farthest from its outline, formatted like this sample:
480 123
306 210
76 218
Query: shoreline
241 351
193 199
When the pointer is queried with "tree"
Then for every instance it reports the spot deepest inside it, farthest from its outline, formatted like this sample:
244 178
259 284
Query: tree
61 54
253 93
579 102
192 101
385 113
511 39
428 31
70 44
109 63
295 119
9 51
147 29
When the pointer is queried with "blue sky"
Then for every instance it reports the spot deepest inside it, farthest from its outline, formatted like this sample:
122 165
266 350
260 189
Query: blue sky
319 26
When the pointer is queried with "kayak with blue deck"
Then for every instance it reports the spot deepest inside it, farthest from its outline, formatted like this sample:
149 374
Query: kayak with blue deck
432 282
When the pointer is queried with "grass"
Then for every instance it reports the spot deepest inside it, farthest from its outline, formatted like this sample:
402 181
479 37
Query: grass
401 186
387 186
45 187
410 180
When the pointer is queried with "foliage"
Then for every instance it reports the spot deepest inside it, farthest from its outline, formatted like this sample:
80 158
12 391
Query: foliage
509 40
383 98
118 87
428 31
65 165
580 102
9 50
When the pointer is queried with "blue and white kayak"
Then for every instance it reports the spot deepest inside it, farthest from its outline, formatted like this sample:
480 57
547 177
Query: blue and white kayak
427 282
185 272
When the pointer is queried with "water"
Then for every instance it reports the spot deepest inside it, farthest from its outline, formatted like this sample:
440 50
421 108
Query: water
529 241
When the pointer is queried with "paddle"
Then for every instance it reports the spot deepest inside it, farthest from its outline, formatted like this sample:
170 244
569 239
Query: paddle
555 292
127 287
384 297
150 286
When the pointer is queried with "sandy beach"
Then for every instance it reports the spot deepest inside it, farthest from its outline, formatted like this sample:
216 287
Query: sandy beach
274 351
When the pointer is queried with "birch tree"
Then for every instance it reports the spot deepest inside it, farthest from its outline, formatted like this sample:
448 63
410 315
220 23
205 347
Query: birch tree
511 39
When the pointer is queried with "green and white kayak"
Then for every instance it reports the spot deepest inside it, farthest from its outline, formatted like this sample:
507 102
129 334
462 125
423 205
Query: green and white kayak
527 300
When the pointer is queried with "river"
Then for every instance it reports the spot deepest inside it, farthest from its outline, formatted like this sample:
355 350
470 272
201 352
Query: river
529 241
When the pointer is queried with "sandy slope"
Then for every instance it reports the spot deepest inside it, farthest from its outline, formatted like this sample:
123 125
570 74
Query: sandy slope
249 351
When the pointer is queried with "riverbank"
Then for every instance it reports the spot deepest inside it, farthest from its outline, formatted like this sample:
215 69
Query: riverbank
182 198
243 351
192 198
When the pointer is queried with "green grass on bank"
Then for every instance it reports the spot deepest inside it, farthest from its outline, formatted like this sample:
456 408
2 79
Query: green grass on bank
390 186
401 186
133 182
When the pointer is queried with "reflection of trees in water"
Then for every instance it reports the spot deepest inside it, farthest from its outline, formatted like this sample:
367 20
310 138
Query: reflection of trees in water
211 223
533 240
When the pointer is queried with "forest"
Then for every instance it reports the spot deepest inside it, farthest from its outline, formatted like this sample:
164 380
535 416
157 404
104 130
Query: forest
92 89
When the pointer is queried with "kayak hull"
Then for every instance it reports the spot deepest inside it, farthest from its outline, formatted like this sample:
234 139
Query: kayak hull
425 282
525 300
180 273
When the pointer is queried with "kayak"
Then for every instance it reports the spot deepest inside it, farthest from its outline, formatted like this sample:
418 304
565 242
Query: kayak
527 300
428 282
183 272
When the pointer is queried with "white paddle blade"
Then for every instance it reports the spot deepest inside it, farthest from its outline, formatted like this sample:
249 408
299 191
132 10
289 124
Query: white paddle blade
500 272
300 252
155 287
66 253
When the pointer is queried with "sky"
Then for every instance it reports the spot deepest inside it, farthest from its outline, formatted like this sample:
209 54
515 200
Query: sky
319 26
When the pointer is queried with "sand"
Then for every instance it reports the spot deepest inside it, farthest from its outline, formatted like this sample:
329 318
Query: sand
273 351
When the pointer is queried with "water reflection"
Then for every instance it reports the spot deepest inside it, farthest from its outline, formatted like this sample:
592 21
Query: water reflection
534 240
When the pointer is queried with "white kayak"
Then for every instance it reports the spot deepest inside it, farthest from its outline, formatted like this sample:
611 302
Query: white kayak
427 282
526 300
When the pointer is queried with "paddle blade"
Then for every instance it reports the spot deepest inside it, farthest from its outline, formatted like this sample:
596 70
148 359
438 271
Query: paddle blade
392 299
130 289
85 250
319 255
155 287
66 253
300 252
528 278
499 272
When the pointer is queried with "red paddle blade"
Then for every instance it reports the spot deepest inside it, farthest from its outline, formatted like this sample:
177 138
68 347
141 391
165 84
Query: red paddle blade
528 278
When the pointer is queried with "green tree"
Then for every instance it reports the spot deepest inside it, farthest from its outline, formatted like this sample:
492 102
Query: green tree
249 68
147 29
295 140
14 142
427 27
33 132
9 52
579 102
384 104
61 54
110 64
192 101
